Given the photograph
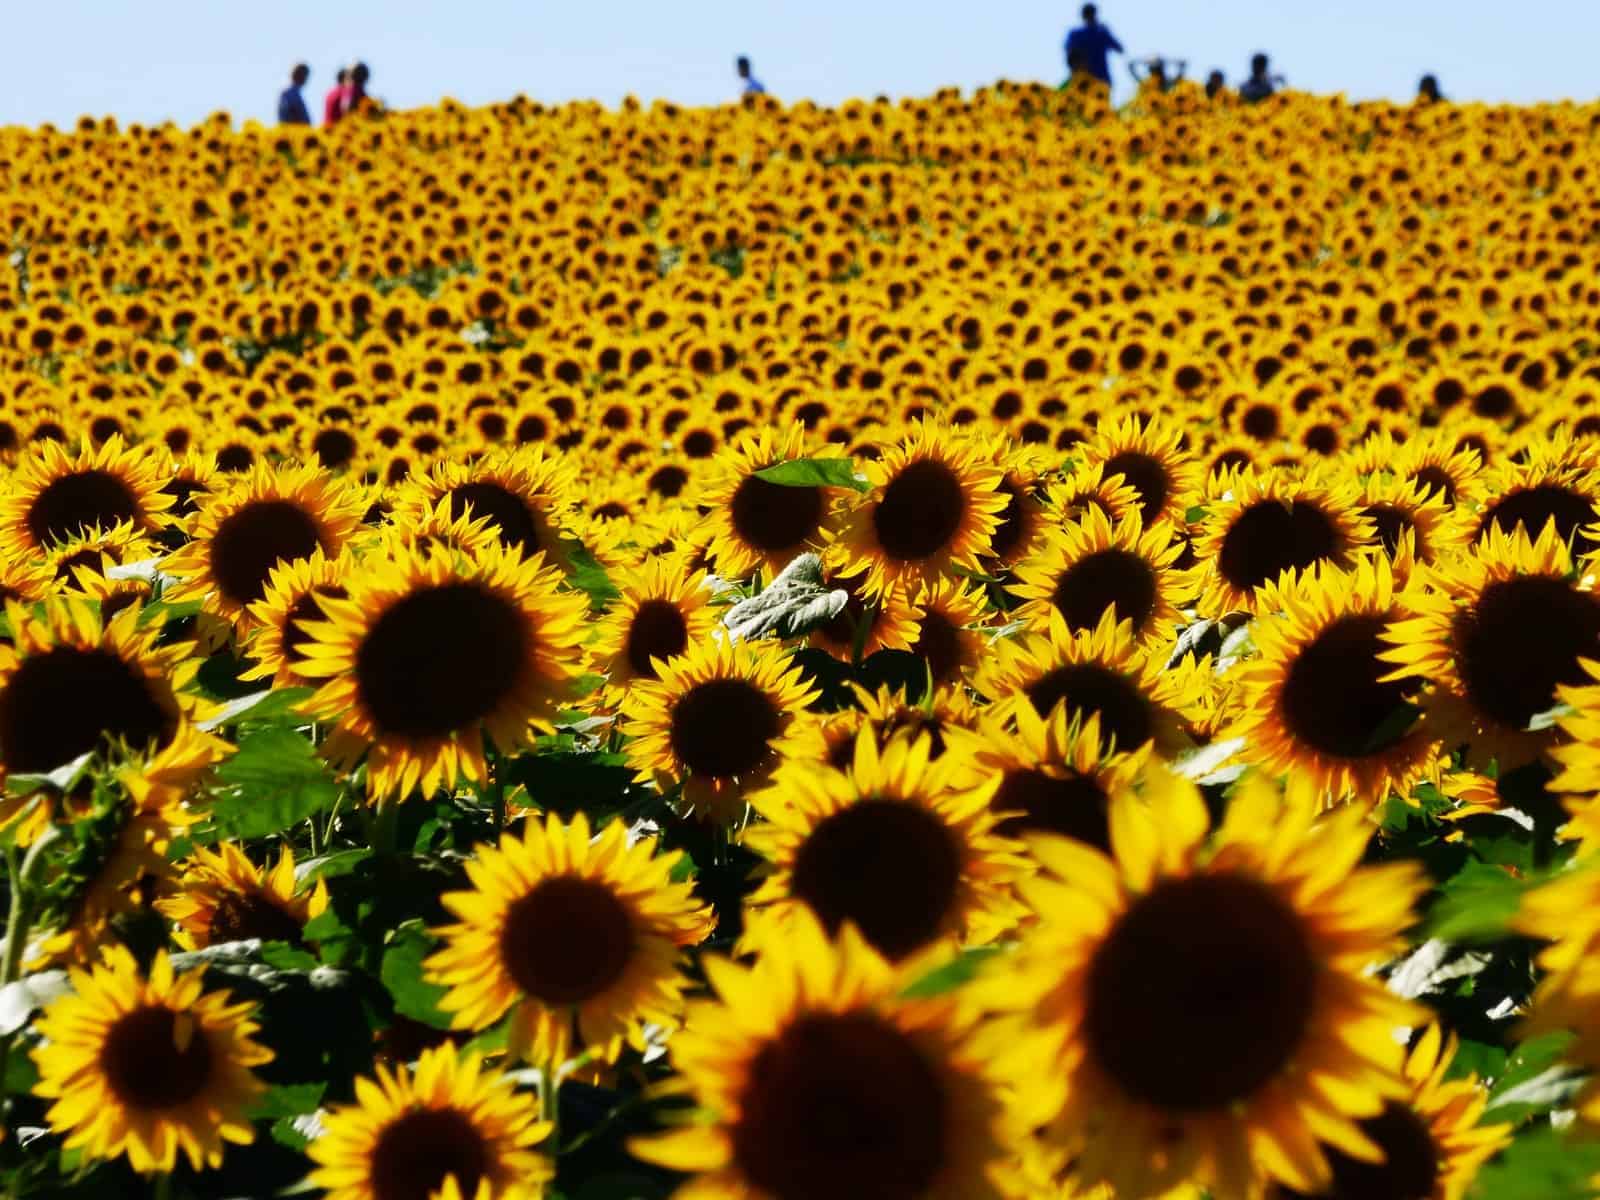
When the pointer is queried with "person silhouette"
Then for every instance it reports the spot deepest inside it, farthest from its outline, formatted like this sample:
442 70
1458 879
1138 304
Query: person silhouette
1216 84
337 101
1262 83
751 85
291 104
359 74
1167 73
1088 46
1428 90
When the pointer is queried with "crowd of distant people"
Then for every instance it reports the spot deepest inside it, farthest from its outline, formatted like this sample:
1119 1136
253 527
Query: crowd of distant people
348 93
1089 48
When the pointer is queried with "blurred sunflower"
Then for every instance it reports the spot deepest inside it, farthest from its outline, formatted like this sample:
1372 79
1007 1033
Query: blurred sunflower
445 1129
148 1066
949 636
429 654
1147 458
223 897
579 937
1206 1013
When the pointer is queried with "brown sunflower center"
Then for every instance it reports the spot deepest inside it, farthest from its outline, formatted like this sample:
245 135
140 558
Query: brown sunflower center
773 518
152 1062
939 645
65 702
1409 1170
417 1152
1534 507
1271 537
1072 805
333 447
241 915
1146 475
724 728
843 1106
1333 697
1522 639
1392 524
567 940
890 868
1013 528
70 504
507 512
441 659
256 538
657 630
1201 993
1436 479
305 608
920 511
1111 578
1125 715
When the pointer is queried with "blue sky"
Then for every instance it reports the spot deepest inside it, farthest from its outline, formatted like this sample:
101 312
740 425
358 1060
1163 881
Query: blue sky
181 59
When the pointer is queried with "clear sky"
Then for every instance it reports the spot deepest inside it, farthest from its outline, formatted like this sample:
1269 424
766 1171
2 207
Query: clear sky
148 60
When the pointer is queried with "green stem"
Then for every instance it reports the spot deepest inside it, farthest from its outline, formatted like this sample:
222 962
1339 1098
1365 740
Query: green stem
316 836
17 920
384 823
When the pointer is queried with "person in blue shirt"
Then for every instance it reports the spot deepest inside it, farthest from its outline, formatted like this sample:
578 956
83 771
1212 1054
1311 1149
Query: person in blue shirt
1089 45
292 105
752 85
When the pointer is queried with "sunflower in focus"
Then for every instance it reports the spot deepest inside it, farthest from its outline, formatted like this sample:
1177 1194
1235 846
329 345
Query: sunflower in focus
663 609
430 654
148 1066
1321 701
949 618
1092 567
1206 1012
523 493
54 496
1497 631
1146 456
757 525
266 517
934 505
887 713
866 624
444 1129
223 897
581 938
887 845
819 1078
292 597
713 722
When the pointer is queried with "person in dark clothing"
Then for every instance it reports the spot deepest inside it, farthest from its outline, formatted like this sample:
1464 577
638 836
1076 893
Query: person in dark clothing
749 84
1167 73
1428 90
359 74
1261 83
1216 84
291 104
1089 45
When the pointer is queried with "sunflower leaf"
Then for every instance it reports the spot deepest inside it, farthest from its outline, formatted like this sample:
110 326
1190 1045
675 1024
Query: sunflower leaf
1204 762
63 779
274 781
266 706
287 1100
1477 904
402 976
19 1000
1540 1165
1392 728
951 975
1549 718
587 575
794 603
815 472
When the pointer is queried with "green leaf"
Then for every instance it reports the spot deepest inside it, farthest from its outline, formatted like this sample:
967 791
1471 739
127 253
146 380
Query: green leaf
1393 727
329 866
585 573
1550 717
960 970
1477 904
63 779
1540 1165
274 781
266 706
815 472
401 973
1204 763
1195 514
285 957
287 1100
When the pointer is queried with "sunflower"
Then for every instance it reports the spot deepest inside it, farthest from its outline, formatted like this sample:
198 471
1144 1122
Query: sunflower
277 647
890 617
1272 523
267 516
424 528
757 525
74 683
1434 463
1096 672
949 636
662 610
1092 567
55 495
888 713
523 492
1045 773
1146 456
818 1077
713 722
225 898
1023 518
1550 488
567 931
431 652
1088 487
445 1129
1497 631
1413 524
934 505
97 550
1322 702
1207 1013
1431 1140
148 1066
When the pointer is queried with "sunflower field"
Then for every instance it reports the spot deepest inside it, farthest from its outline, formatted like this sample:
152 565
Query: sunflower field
972 647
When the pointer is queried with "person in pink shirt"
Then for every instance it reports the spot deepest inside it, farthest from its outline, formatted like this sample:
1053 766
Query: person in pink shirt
337 101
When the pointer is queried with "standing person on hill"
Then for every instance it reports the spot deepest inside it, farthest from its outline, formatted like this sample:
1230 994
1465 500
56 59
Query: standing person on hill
337 102
359 74
1089 45
1262 83
750 85
291 104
